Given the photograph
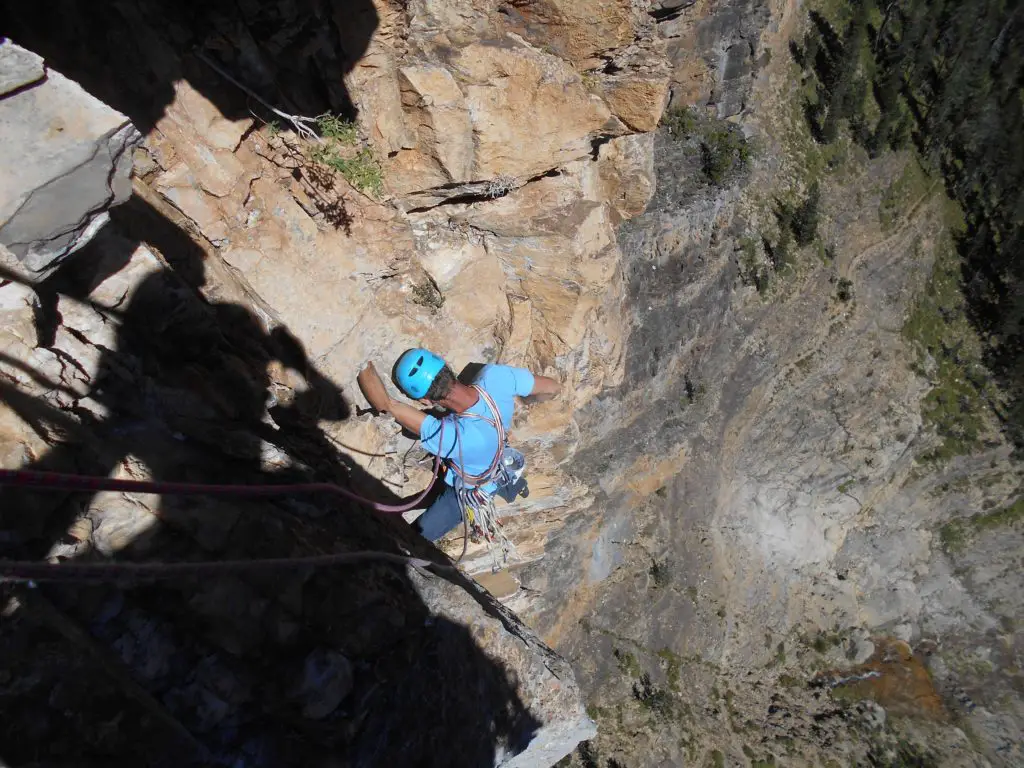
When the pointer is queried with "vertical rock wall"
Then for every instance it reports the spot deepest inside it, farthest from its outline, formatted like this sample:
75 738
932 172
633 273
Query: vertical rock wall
214 331
511 143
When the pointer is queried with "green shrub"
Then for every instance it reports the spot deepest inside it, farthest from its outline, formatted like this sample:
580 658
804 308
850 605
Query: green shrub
844 289
342 131
660 573
801 219
627 662
752 270
426 294
362 170
804 223
724 150
657 700
681 121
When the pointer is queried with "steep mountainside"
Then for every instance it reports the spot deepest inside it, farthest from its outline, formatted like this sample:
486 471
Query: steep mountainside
788 525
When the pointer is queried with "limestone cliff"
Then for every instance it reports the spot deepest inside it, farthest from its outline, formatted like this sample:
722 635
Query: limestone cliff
509 143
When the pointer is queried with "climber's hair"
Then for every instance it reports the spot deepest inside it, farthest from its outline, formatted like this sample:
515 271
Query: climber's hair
442 385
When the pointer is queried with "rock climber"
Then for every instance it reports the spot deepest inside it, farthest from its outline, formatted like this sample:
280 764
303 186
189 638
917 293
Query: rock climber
470 439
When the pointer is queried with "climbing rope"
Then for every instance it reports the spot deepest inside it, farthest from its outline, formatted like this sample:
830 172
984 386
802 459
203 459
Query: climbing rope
60 481
32 571
477 508
477 505
29 570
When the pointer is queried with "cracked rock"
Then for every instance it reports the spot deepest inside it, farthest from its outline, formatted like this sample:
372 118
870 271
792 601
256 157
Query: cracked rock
71 155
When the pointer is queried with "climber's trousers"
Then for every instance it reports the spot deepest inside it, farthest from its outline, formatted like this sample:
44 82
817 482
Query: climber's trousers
441 516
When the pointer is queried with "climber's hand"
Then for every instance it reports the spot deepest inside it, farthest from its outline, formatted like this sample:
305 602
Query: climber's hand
373 389
544 388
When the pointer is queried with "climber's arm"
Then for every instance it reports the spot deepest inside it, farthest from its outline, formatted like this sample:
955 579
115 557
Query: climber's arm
409 417
379 399
545 385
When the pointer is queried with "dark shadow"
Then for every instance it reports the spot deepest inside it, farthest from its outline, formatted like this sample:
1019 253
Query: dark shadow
184 392
798 54
470 372
348 666
130 53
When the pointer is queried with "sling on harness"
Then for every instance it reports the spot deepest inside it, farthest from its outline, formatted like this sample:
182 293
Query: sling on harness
476 503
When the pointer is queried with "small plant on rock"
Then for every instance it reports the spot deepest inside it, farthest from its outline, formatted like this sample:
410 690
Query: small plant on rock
362 170
844 289
426 294
333 127
335 151
753 270
723 151
801 219
680 121
500 186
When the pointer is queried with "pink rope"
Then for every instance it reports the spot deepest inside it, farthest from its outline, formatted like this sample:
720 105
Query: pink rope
59 481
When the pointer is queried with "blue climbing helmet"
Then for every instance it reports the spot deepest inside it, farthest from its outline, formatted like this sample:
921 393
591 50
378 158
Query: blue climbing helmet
416 370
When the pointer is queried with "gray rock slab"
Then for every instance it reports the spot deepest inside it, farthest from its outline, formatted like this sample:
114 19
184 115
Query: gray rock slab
65 159
18 67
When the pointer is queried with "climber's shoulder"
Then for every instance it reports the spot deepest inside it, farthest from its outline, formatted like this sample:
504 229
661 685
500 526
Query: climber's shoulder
505 380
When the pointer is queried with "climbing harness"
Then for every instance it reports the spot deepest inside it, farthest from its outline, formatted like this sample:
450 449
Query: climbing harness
476 503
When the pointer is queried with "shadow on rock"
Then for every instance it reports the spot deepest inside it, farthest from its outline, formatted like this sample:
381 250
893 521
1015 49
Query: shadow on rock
348 666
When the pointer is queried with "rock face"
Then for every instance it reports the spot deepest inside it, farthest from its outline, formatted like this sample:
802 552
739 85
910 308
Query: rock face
214 332
18 67
773 544
164 384
66 159
715 49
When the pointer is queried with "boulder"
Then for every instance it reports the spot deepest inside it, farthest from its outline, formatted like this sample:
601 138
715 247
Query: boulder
626 173
506 81
434 100
469 117
66 158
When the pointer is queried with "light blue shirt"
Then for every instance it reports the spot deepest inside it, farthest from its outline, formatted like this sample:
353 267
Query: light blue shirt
478 439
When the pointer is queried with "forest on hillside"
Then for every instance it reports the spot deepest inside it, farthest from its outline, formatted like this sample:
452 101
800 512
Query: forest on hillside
946 78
